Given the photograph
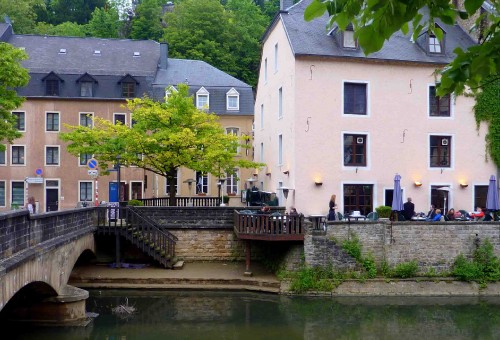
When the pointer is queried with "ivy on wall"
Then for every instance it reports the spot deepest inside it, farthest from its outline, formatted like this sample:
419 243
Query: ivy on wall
487 109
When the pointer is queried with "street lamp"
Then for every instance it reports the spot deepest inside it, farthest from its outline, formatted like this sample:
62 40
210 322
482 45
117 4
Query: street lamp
118 177
220 183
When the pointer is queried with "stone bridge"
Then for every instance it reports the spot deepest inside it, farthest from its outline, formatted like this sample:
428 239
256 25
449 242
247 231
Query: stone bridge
37 255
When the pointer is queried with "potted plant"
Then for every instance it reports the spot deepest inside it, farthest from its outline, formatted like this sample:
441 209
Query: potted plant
135 203
383 211
225 199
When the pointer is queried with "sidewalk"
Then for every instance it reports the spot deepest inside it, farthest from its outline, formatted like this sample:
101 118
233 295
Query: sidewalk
194 275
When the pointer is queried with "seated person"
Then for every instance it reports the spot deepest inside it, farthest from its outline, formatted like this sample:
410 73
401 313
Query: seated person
293 212
487 216
432 213
477 215
265 210
438 215
450 216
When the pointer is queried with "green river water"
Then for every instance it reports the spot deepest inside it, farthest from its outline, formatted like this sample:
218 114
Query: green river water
247 315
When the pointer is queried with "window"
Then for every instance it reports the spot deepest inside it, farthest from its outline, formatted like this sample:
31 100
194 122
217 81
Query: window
358 197
136 190
276 58
168 92
86 89
355 98
440 197
262 152
232 100
280 103
52 155
51 87
202 99
2 193
480 194
20 121
128 89
3 157
262 116
84 158
86 119
201 183
17 154
280 149
355 150
440 151
348 38
265 70
119 118
232 183
434 44
52 121
18 194
86 192
167 184
438 106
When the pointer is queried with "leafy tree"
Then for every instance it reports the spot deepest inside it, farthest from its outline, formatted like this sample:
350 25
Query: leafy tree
56 12
22 13
163 138
12 75
67 29
377 20
104 23
147 21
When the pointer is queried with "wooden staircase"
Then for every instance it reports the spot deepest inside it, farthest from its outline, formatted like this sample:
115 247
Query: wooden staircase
140 230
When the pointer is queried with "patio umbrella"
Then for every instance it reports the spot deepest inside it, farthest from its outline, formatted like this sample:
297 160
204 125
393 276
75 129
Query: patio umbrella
397 197
492 197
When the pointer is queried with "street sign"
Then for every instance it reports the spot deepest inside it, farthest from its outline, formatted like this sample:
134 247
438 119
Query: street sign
38 171
34 180
93 173
92 163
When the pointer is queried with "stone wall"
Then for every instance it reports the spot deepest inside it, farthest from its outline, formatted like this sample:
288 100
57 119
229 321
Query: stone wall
433 245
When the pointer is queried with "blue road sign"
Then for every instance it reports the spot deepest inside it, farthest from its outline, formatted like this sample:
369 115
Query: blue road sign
39 171
92 163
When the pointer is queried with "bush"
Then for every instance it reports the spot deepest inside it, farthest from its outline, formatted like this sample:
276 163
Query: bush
405 269
484 267
383 211
135 203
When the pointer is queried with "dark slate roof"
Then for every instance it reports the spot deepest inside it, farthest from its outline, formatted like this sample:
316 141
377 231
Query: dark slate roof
312 39
197 74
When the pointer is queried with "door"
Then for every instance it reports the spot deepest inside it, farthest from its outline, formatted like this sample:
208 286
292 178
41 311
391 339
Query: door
113 192
52 196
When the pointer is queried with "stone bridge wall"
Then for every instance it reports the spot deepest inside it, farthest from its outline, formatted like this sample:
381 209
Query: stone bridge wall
433 245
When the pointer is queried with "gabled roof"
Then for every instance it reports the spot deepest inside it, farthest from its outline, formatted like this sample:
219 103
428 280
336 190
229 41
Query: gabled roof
52 76
86 78
311 39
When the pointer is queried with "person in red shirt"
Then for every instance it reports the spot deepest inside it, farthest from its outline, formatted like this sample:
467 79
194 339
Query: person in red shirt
478 214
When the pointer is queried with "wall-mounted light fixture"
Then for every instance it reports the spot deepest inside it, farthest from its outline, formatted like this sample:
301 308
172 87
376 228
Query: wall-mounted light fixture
268 173
418 183
255 174
285 191
286 172
318 182
464 185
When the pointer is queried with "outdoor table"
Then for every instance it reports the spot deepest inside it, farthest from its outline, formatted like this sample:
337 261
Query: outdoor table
414 218
356 217
318 220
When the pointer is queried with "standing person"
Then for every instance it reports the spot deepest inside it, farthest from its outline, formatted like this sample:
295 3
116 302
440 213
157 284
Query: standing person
408 209
332 206
31 205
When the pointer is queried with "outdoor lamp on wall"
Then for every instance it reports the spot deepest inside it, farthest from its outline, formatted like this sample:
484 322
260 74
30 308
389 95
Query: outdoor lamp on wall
285 192
318 182
286 172
464 185
418 183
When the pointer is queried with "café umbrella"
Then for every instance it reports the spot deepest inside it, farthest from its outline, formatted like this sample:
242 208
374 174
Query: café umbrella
492 197
397 197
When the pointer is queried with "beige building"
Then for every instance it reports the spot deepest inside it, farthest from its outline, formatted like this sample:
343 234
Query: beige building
330 120
74 79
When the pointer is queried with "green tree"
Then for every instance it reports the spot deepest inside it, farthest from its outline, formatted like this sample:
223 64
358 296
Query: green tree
147 21
376 21
56 12
67 29
22 13
12 75
163 138
104 23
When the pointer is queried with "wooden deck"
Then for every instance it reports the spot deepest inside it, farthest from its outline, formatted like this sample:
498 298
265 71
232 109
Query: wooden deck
269 227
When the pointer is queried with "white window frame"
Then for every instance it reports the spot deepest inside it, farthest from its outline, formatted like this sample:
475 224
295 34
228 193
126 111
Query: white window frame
25 122
58 121
91 114
232 93
11 192
452 151
280 149
261 116
276 58
58 147
265 71
4 194
131 191
25 155
348 40
92 195
235 131
89 85
452 106
368 101
79 158
280 103
202 92
115 114
177 177
433 41
368 150
262 152
168 92
207 185
6 159
232 183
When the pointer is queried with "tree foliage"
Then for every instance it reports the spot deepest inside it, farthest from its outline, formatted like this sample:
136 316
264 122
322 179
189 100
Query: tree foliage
66 29
104 23
163 138
147 21
12 75
22 13
376 21
56 12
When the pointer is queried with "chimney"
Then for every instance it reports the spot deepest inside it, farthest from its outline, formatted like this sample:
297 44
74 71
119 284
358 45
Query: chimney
285 4
163 55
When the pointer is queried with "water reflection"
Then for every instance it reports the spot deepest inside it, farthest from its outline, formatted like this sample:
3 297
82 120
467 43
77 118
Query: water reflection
243 315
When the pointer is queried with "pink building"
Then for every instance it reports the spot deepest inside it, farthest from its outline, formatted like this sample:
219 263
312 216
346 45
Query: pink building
330 120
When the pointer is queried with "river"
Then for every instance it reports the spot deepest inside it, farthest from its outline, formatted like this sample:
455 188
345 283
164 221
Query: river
248 315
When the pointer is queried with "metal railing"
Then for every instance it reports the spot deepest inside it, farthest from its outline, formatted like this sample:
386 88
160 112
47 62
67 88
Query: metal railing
269 227
182 201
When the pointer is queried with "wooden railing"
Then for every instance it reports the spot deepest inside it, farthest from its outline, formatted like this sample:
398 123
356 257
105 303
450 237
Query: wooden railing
140 230
271 227
182 201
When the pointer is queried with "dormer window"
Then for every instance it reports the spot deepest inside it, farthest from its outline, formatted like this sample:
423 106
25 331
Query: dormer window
202 99
232 100
86 85
348 40
168 92
128 85
52 82
434 44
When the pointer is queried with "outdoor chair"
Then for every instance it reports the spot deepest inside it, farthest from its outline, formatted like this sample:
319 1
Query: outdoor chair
340 216
373 216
